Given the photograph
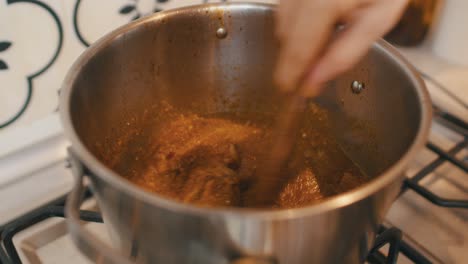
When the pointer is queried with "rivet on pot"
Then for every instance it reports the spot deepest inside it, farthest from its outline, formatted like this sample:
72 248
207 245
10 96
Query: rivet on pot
357 87
221 33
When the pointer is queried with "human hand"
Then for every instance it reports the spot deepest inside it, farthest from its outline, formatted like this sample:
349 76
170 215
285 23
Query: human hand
313 52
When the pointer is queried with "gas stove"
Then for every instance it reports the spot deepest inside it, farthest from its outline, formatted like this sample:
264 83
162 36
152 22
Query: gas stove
428 223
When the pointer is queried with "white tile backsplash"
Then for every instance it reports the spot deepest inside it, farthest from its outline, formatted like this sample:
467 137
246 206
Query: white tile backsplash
46 37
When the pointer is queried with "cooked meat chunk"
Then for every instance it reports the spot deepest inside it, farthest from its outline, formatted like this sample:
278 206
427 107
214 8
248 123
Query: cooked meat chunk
212 184
198 160
300 191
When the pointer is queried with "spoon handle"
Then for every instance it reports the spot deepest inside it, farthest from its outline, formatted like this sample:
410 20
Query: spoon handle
284 138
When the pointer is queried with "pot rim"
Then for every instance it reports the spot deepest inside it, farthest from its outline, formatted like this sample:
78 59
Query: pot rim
393 173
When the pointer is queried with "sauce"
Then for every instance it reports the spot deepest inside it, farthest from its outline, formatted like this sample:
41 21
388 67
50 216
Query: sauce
211 160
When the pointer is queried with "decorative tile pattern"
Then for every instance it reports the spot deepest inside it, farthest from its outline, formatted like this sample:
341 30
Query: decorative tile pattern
39 40
4 45
37 34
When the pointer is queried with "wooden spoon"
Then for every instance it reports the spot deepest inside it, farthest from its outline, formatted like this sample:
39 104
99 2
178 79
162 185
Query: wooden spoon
288 123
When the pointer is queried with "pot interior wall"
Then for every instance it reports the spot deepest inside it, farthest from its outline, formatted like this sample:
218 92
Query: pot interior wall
177 57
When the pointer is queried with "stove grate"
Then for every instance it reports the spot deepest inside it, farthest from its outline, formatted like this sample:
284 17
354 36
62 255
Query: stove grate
56 208
460 127
8 253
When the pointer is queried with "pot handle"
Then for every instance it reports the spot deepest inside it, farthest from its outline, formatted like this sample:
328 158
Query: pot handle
95 249
92 247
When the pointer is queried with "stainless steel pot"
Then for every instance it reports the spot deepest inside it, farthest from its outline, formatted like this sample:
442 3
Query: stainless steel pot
198 57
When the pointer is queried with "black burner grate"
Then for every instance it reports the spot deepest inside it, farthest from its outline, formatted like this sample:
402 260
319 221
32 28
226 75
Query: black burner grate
56 208
387 236
460 127
8 253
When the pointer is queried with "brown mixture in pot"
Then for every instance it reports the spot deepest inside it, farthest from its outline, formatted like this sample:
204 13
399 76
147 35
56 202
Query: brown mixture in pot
212 161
